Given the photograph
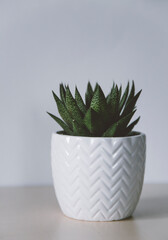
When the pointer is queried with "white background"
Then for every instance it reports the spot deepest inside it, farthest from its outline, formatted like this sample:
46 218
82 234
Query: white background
43 43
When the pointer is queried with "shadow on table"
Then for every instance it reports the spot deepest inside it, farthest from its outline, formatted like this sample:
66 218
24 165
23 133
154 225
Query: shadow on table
152 207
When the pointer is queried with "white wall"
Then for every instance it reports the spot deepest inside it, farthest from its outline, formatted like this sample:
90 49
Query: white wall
45 42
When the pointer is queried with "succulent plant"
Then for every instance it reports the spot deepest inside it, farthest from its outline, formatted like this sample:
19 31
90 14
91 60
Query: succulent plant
99 115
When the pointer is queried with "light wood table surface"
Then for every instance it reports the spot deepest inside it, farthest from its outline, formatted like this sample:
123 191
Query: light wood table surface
32 213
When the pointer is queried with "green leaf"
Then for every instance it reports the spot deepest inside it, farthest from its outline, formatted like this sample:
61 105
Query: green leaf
119 92
92 121
63 110
133 133
131 104
114 102
108 98
88 95
123 122
98 103
62 124
79 101
62 93
72 107
124 98
110 132
61 132
95 89
79 130
118 127
132 92
131 126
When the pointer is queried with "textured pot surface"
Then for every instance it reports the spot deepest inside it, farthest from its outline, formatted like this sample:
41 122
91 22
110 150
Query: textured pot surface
98 179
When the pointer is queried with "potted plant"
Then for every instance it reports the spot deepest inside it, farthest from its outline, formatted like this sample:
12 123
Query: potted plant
97 160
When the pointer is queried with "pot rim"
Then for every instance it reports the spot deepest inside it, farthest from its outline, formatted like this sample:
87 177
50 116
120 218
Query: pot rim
85 137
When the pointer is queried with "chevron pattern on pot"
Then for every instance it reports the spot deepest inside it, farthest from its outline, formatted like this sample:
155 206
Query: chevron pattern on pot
98 179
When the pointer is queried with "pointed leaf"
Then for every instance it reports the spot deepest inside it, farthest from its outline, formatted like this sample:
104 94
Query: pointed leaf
92 121
109 96
131 126
62 93
79 101
97 85
88 95
123 122
62 124
63 110
131 105
110 132
118 127
79 130
114 102
72 107
98 103
124 98
132 92
120 91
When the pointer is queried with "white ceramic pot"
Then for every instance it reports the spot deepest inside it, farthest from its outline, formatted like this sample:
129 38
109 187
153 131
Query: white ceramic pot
96 178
